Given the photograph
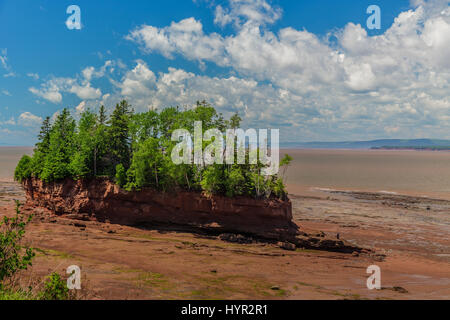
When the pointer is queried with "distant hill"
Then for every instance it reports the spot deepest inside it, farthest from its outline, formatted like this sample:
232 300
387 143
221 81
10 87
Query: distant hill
374 144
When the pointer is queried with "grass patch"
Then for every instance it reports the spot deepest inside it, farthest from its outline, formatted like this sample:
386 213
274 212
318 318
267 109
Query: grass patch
223 287
53 253
16 295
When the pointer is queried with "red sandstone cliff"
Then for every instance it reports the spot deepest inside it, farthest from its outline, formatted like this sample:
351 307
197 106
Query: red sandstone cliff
103 200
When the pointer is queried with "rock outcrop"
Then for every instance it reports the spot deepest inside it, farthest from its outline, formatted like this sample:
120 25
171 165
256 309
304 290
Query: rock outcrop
234 219
102 200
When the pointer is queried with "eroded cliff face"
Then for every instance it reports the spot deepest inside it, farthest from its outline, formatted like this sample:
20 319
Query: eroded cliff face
102 200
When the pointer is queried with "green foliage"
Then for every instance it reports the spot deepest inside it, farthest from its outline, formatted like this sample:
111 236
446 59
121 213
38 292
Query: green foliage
121 175
55 288
235 182
16 295
13 255
135 150
118 135
213 179
24 169
61 148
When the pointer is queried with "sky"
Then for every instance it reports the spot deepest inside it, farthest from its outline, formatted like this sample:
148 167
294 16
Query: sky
312 69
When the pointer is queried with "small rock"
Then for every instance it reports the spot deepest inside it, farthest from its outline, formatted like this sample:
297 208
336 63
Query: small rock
79 225
400 290
355 254
111 231
235 238
275 288
287 246
213 271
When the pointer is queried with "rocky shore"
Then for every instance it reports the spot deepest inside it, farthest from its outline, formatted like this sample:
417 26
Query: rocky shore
408 234
102 200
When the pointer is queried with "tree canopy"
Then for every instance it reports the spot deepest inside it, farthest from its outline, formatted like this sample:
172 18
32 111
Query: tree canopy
134 149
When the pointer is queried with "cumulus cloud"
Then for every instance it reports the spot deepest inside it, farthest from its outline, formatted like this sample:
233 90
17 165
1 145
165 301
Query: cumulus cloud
81 107
51 90
28 119
358 85
185 37
247 12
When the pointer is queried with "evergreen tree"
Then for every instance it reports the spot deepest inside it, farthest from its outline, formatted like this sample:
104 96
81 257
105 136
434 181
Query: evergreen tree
44 135
102 116
119 145
83 162
61 148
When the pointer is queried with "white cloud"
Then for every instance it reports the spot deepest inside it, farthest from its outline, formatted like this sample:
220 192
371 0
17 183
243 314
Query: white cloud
28 119
247 12
4 58
86 91
10 122
11 74
185 37
80 85
359 84
357 87
52 94
35 76
81 107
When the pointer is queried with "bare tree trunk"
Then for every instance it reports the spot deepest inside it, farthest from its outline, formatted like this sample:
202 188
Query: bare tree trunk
156 176
95 162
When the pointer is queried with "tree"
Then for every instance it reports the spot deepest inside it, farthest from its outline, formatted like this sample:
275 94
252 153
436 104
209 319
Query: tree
121 175
145 166
135 151
118 135
44 136
285 163
61 148
84 161
102 118
24 169
13 255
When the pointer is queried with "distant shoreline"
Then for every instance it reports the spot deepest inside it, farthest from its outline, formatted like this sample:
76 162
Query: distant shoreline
413 148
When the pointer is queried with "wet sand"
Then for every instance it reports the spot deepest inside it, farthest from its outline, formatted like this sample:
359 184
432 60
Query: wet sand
120 262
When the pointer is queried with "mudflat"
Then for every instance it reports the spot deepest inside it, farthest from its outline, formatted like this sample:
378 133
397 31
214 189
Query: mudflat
120 262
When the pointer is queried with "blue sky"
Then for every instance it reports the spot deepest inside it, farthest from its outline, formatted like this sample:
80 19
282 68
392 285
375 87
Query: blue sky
310 68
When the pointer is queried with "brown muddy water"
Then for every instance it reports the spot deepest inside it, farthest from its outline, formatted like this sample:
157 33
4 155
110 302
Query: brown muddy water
9 157
418 173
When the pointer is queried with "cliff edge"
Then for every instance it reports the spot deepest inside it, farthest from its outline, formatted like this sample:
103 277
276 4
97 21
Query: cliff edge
104 201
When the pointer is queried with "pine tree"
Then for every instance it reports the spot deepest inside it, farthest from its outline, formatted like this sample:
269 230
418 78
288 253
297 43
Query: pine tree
44 135
119 144
61 148
102 115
